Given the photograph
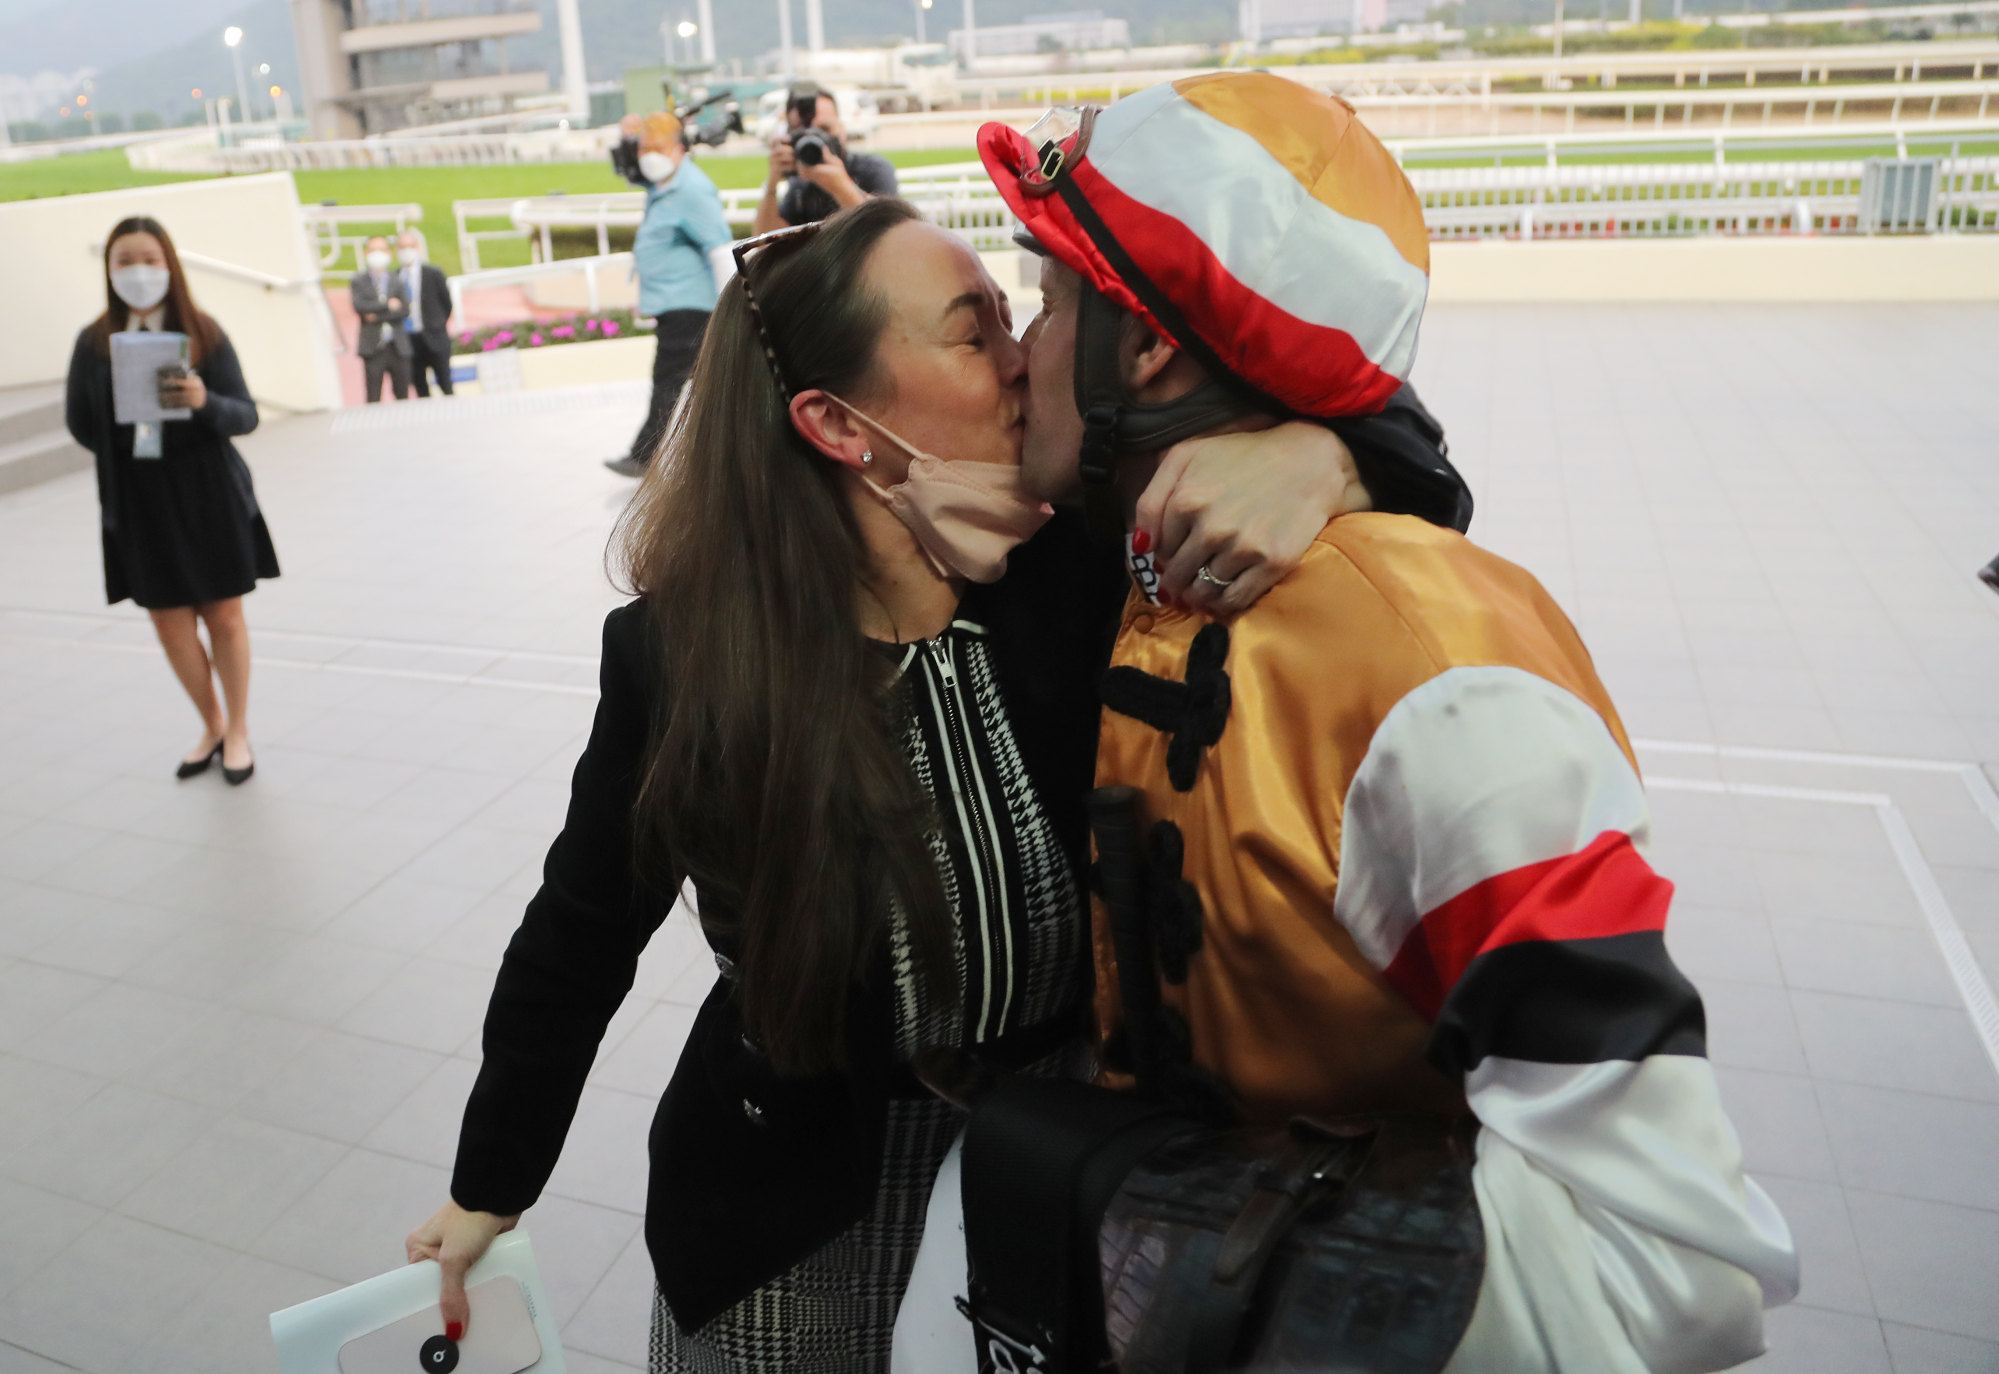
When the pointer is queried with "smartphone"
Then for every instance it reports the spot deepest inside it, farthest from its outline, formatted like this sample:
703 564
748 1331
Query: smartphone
499 1340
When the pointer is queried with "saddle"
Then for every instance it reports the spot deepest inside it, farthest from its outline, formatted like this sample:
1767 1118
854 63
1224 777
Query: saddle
1149 1233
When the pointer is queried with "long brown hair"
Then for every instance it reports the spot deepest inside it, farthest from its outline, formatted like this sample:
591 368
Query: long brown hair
775 779
203 335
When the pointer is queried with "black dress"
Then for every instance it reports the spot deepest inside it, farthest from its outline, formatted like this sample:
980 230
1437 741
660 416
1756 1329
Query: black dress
182 529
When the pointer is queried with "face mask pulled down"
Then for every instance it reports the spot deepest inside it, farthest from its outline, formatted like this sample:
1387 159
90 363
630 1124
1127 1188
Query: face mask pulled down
966 516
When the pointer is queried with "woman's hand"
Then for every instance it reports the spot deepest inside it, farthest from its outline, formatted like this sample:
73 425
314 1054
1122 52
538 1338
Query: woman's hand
188 392
1246 507
456 1238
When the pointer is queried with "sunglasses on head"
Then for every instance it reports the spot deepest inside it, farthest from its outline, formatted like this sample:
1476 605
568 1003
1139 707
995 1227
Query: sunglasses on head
747 254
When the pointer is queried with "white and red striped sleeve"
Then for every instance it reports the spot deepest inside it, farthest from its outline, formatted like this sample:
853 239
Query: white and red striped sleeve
1492 865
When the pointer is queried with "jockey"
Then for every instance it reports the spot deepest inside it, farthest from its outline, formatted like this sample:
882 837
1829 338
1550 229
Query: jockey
1407 812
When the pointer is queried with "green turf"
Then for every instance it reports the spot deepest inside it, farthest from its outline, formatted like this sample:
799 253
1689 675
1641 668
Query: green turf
434 188
76 173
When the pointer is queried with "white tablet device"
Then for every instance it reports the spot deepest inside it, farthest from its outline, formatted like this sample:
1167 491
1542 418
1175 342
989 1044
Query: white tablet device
500 1338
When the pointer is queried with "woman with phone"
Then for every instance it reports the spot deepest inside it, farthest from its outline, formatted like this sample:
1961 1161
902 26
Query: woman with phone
183 536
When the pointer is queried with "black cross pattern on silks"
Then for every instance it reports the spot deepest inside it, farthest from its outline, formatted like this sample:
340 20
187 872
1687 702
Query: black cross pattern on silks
1174 905
1193 712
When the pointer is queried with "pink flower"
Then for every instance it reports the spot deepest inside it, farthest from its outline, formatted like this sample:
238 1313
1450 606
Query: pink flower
563 331
465 336
591 327
534 341
610 329
505 336
489 345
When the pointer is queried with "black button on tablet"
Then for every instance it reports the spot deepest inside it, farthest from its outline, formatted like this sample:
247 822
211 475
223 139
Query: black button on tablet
439 1355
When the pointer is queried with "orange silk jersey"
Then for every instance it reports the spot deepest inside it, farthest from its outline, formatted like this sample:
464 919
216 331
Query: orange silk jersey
1281 1004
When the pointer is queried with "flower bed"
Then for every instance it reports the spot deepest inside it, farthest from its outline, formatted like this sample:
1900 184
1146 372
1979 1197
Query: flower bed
588 327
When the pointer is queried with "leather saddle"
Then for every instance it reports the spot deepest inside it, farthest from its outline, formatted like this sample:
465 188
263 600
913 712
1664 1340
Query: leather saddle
1144 1232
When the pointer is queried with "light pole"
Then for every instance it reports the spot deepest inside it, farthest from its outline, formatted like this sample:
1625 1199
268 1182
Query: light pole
922 8
575 81
687 29
707 12
971 37
784 35
1558 28
232 38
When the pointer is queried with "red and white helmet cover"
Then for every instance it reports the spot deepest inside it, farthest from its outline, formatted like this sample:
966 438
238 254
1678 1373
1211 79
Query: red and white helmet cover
1266 214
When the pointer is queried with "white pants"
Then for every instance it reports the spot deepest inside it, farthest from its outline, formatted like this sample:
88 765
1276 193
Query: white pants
1541 1308
931 1335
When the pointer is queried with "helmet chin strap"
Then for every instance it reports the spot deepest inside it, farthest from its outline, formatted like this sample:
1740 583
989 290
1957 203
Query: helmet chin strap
1114 424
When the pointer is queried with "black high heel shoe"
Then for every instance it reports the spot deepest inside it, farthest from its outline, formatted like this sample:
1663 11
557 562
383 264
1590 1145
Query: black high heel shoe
236 777
199 766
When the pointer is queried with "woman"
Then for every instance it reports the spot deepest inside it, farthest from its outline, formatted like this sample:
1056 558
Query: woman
870 758
182 533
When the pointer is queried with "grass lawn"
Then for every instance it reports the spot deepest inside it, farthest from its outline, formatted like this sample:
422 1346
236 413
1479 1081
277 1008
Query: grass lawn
434 188
76 173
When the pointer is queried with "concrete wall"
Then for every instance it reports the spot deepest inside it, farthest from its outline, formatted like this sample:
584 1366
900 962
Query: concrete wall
54 249
1823 270
605 360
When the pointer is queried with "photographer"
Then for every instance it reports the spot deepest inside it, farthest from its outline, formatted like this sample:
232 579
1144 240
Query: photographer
681 256
813 165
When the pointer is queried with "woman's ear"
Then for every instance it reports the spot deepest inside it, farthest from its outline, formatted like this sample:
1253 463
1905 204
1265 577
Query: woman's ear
828 427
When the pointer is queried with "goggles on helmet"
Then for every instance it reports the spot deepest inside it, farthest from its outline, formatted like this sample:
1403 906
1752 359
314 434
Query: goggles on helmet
1059 139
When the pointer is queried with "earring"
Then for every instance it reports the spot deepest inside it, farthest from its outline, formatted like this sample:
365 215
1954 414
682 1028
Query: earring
867 456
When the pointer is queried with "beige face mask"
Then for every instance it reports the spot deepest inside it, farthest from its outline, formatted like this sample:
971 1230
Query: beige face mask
967 517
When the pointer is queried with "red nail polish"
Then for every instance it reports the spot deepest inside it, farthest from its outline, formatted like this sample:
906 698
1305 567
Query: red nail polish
454 1331
1141 542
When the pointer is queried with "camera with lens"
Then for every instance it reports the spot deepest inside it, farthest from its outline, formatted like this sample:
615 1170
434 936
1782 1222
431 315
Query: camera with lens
813 146
625 161
704 123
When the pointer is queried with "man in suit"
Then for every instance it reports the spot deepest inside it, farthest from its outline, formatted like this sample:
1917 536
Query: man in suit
429 321
382 301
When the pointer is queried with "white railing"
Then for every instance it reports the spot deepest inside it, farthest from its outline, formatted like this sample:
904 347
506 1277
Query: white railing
1682 199
957 193
592 270
1548 201
1893 139
410 149
1680 66
325 225
308 287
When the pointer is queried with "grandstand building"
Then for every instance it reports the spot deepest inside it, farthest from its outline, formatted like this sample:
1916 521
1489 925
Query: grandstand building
371 66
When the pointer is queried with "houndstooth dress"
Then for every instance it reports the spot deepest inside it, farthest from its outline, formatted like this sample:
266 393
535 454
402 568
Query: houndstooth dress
1021 929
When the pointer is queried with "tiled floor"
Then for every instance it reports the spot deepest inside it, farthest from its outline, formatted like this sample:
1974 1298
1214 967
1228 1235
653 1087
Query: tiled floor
237 1027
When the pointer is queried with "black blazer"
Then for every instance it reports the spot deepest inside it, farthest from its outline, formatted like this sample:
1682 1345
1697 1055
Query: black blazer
434 298
750 1172
382 313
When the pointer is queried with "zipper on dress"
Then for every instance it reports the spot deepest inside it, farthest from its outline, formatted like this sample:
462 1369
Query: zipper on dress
939 652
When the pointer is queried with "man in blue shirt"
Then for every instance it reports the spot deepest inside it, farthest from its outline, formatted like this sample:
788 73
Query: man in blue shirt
682 258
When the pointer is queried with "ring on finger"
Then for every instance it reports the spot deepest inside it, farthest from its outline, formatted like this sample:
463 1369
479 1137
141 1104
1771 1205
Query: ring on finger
1207 575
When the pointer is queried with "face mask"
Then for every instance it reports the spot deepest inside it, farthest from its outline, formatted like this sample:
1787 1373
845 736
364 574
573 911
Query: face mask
378 261
141 286
409 257
966 516
657 168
